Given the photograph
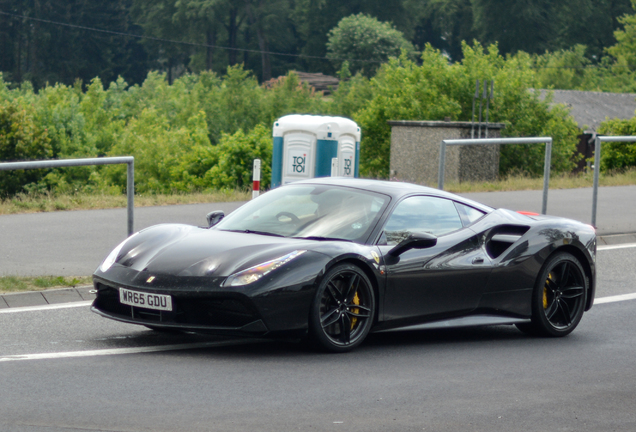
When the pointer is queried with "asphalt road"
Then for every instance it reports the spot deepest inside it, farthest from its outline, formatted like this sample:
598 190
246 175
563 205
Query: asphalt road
71 370
75 242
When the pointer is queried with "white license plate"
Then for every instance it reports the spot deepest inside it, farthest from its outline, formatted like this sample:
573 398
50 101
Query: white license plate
145 300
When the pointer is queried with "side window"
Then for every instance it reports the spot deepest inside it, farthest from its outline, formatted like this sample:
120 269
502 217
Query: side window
432 215
468 214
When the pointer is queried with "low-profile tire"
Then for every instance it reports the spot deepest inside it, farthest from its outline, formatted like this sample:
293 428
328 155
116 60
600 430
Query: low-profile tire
558 299
343 309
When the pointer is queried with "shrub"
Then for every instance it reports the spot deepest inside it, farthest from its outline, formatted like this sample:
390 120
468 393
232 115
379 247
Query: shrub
21 138
618 155
236 154
402 90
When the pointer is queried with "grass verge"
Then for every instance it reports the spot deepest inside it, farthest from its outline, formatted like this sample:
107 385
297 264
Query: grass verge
10 284
25 203
560 181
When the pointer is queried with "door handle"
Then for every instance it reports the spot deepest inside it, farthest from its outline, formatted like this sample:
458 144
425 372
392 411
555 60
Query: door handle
478 260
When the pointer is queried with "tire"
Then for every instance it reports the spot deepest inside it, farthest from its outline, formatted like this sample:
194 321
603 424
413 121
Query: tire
343 309
558 299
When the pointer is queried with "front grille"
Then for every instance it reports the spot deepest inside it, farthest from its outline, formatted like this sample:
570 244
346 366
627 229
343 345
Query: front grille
188 308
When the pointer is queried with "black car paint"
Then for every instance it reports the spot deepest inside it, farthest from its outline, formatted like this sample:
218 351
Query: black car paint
456 277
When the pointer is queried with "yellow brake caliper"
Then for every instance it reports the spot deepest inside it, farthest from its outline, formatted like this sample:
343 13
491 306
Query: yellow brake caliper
545 292
354 320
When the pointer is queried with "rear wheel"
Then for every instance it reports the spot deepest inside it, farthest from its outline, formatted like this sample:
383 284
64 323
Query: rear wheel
343 309
558 299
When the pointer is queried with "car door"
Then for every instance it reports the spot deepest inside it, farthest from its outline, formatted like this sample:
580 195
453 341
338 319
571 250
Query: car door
444 279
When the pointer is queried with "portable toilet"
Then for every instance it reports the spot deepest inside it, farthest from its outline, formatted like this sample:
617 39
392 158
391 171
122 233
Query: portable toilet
305 144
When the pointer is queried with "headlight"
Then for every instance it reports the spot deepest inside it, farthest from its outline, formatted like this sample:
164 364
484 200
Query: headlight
253 274
110 259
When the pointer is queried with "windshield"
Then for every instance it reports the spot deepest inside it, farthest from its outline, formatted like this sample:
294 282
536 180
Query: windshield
310 211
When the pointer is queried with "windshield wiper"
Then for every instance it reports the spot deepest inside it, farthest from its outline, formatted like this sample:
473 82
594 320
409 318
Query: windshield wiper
321 238
248 231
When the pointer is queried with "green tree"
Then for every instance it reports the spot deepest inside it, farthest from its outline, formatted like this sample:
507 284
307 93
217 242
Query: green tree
444 24
362 37
516 25
43 52
625 49
403 90
590 23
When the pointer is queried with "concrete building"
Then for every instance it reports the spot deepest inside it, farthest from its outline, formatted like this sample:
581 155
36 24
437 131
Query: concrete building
415 152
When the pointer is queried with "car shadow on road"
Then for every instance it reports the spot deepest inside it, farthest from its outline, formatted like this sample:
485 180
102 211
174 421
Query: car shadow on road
376 342
504 336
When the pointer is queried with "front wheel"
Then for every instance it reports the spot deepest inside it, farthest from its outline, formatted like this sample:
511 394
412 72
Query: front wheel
343 309
558 299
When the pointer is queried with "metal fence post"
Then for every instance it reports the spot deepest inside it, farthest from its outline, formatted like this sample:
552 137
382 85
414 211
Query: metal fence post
485 141
597 166
64 163
546 175
130 192
442 164
597 171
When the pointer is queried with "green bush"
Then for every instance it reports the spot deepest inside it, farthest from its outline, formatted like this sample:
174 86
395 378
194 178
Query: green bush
21 138
403 90
157 148
204 130
618 155
236 154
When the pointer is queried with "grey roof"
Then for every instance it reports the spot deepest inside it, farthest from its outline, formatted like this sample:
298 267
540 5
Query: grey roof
589 109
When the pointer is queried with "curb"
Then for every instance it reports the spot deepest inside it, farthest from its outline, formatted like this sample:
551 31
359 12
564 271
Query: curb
81 293
614 239
46 297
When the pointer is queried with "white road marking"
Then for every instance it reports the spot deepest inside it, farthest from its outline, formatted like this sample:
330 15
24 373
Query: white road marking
160 348
618 246
46 307
118 351
615 298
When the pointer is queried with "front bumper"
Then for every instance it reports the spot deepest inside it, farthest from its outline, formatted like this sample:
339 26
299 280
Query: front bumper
217 313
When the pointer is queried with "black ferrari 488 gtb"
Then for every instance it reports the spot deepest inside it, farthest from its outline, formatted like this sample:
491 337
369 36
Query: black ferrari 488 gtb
333 259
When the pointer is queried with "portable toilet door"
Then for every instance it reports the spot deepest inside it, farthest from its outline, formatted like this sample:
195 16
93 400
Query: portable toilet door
348 156
299 153
304 146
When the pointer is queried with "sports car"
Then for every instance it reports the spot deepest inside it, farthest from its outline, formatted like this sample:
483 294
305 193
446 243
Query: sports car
332 259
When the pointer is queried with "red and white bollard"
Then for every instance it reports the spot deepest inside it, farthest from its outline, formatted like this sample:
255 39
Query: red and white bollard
256 178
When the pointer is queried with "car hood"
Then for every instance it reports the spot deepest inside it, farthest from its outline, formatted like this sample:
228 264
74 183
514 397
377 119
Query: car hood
184 250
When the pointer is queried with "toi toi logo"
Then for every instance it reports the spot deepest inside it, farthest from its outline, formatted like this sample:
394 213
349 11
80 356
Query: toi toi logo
299 164
347 166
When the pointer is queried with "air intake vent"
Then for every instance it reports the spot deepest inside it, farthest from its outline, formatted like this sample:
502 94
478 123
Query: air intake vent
502 237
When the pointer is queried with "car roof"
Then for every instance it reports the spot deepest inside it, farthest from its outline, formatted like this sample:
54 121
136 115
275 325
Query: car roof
394 189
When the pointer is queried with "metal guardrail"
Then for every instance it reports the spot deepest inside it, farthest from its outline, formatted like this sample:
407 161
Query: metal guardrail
536 140
597 166
63 163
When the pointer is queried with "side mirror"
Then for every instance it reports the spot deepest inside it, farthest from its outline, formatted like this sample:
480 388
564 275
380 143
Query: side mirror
413 241
214 217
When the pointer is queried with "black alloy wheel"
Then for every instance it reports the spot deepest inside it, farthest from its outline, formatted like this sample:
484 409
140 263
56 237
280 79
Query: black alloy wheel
343 309
558 300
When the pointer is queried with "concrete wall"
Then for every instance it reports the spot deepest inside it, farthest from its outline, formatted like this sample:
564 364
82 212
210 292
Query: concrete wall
415 152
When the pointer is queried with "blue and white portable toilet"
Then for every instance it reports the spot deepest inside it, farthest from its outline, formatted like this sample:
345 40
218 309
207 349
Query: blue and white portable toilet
305 144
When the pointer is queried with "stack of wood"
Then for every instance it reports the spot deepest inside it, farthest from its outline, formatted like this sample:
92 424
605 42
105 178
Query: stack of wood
320 82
